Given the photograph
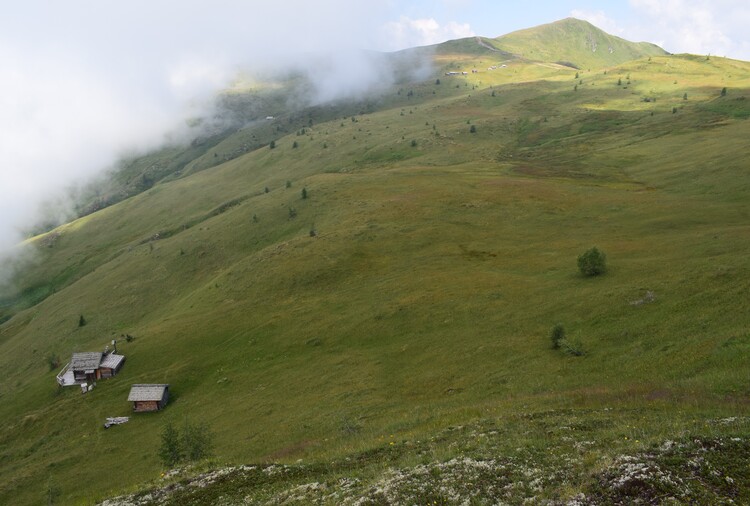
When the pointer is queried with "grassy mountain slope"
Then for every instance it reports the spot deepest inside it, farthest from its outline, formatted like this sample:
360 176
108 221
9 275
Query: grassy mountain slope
574 42
425 297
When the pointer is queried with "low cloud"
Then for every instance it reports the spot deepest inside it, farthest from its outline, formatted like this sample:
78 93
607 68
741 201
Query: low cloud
83 83
408 32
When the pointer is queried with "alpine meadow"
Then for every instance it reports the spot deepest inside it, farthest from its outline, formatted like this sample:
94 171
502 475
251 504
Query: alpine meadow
519 275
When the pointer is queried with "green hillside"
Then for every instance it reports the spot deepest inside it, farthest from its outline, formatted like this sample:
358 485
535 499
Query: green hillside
399 315
574 42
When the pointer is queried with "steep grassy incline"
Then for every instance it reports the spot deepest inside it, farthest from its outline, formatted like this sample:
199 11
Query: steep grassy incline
574 42
446 225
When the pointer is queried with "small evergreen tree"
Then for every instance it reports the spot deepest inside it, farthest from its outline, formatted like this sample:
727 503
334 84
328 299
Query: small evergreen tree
437 81
288 184
295 145
413 143
592 262
724 92
81 321
272 145
473 129
684 97
304 193
619 82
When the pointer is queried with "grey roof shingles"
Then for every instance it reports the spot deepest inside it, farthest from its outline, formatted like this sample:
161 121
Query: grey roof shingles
146 392
112 361
86 361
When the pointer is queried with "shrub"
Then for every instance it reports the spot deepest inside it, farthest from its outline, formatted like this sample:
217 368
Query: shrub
196 442
413 143
473 129
557 336
272 145
53 361
170 451
572 347
592 262
288 184
724 92
295 145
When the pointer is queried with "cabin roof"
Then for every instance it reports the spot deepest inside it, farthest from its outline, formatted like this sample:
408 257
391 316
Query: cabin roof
87 361
112 361
154 392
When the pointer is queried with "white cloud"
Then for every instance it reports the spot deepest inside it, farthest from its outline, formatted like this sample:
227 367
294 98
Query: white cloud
408 32
61 122
84 81
598 19
695 26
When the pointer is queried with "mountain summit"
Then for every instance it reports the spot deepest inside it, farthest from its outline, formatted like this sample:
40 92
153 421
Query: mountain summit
575 43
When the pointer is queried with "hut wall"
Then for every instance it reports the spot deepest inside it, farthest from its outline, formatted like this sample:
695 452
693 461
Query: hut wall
140 406
164 399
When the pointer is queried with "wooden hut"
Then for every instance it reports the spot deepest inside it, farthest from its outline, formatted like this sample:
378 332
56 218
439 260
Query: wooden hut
85 366
89 367
148 397
110 365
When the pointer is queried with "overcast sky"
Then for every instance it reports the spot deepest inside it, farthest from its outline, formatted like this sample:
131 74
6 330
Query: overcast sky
83 80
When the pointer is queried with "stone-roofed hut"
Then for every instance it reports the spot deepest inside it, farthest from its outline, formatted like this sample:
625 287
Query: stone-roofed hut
110 365
148 397
85 366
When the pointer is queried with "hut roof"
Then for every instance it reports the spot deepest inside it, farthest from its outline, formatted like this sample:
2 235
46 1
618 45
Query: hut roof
147 392
87 361
112 361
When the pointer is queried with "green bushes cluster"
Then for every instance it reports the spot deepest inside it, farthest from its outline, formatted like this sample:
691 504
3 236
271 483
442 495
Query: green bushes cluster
194 443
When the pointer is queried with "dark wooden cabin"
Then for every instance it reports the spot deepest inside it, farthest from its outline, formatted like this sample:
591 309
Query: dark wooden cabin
85 366
149 397
110 365
91 366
